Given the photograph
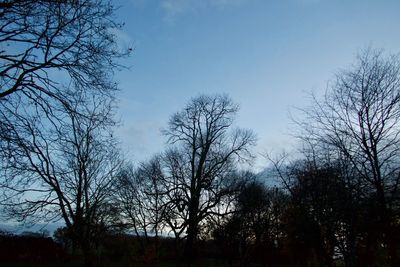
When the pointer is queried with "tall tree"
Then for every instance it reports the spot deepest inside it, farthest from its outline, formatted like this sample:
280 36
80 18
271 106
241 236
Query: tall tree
359 119
60 163
201 163
51 48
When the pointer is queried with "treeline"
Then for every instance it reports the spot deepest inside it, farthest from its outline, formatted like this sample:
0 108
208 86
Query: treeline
333 202
29 248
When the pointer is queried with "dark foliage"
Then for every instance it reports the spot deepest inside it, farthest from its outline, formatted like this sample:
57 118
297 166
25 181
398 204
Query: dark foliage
30 248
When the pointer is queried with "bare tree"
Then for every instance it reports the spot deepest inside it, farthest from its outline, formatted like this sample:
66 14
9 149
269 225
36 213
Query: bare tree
50 48
47 43
140 199
60 163
358 119
203 157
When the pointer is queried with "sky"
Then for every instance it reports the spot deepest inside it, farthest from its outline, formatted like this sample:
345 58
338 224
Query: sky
266 55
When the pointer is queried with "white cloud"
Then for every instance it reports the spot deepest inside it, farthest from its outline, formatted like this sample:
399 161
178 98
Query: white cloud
308 2
174 8
227 3
122 37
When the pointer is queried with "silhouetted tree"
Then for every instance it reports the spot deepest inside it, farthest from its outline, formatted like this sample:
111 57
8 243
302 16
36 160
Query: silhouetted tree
320 197
255 231
327 197
358 119
60 163
48 50
139 196
46 44
201 164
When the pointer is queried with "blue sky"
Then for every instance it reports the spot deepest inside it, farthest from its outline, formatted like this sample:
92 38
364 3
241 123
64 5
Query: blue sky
267 55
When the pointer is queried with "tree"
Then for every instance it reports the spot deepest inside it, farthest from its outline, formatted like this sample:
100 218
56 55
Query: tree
60 163
139 196
51 48
44 40
255 208
320 197
326 217
358 119
202 161
255 228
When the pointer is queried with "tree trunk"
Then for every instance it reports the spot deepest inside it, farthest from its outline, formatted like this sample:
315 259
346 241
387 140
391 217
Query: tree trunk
87 253
385 222
189 251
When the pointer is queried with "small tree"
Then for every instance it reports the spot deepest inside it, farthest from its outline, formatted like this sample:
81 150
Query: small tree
140 199
256 225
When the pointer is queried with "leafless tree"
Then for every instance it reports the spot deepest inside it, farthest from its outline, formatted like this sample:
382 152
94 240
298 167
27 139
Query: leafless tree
48 49
60 163
45 44
140 200
358 120
201 162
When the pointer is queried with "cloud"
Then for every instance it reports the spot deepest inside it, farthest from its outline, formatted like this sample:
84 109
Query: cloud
308 2
227 3
140 139
122 37
174 8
